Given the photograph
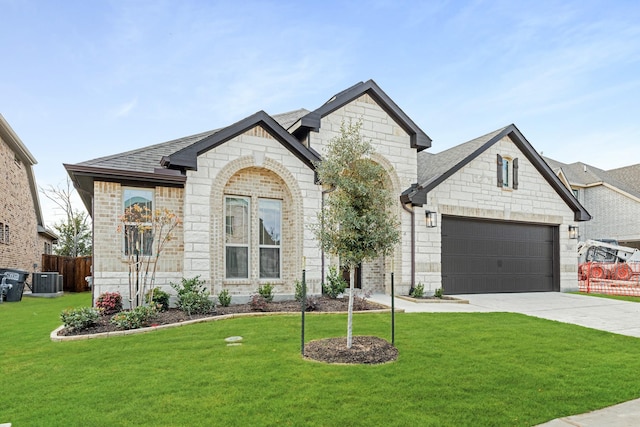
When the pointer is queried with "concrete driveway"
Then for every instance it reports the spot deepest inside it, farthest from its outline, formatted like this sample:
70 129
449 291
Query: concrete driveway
605 314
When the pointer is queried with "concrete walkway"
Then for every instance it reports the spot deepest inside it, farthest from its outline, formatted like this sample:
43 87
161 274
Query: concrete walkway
604 314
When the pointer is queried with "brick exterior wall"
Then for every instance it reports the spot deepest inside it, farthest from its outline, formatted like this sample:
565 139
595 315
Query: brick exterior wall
472 192
110 265
615 215
25 247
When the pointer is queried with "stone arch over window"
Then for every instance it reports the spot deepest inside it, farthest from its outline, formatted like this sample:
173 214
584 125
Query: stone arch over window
251 180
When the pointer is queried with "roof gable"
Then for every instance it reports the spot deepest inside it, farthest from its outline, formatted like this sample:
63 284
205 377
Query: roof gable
187 158
435 168
312 121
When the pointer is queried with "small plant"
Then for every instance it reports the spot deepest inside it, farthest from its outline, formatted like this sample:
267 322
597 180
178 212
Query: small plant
196 303
189 285
134 319
266 291
193 297
109 302
224 298
335 284
438 293
159 298
312 304
417 291
258 303
298 295
360 300
79 318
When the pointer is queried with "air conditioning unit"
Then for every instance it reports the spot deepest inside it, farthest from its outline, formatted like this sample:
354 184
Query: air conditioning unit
46 283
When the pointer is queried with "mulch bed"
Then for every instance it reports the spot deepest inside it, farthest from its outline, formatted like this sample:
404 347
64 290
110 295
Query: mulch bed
364 349
324 304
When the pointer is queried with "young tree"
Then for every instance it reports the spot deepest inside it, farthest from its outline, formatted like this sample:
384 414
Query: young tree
75 231
75 236
357 224
146 235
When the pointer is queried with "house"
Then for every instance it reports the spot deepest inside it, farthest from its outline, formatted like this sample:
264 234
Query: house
612 197
228 183
23 236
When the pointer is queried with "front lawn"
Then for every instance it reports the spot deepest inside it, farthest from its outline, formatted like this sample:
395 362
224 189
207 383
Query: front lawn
453 369
618 297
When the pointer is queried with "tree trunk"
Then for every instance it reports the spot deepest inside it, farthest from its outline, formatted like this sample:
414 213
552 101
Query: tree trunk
352 280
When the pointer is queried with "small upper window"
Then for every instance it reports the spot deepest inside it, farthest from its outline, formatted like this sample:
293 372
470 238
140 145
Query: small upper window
507 170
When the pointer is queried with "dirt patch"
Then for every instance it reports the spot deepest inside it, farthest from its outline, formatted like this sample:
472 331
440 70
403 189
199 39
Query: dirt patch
171 316
364 350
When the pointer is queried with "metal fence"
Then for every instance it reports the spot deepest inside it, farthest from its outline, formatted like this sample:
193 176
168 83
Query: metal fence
611 278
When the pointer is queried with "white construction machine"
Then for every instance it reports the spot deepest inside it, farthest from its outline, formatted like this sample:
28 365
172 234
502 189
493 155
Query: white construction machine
602 260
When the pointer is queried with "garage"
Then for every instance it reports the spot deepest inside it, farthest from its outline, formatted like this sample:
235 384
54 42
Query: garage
482 256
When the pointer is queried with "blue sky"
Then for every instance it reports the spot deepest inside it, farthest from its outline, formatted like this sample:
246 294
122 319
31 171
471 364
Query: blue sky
84 79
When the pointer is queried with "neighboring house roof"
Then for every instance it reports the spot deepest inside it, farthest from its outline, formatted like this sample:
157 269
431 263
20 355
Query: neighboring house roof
24 155
143 165
433 169
187 158
312 121
630 175
580 174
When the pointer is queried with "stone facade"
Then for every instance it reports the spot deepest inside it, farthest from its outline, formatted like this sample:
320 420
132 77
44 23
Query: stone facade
253 161
472 192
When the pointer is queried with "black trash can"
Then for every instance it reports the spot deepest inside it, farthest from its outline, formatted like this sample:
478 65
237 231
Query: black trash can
16 278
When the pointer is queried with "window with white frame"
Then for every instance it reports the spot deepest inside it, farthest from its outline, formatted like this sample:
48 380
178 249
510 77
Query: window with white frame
270 229
137 219
237 237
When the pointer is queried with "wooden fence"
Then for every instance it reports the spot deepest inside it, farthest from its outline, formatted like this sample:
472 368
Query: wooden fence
73 269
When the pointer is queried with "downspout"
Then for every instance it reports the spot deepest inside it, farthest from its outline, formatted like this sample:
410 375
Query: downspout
413 245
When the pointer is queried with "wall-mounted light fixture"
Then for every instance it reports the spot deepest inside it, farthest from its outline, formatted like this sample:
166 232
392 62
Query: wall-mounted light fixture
573 232
431 219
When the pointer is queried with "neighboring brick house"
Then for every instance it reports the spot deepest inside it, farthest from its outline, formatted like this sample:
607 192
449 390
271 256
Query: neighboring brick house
612 197
23 236
248 193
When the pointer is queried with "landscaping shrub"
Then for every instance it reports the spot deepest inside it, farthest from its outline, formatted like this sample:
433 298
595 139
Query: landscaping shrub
360 300
298 294
109 302
193 297
312 304
159 298
196 303
334 284
134 319
418 291
266 291
224 298
438 293
79 318
258 303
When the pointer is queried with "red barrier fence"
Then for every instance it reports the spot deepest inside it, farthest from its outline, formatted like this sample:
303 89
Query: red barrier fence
610 278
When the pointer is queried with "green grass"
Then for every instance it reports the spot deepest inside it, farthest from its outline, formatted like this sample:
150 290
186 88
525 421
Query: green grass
618 297
454 369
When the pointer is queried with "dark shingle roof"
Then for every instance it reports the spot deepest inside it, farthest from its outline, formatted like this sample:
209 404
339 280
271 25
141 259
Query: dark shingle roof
431 166
433 169
630 175
147 159
582 175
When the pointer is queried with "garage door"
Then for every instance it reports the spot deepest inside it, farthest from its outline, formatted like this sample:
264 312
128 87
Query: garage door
490 256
